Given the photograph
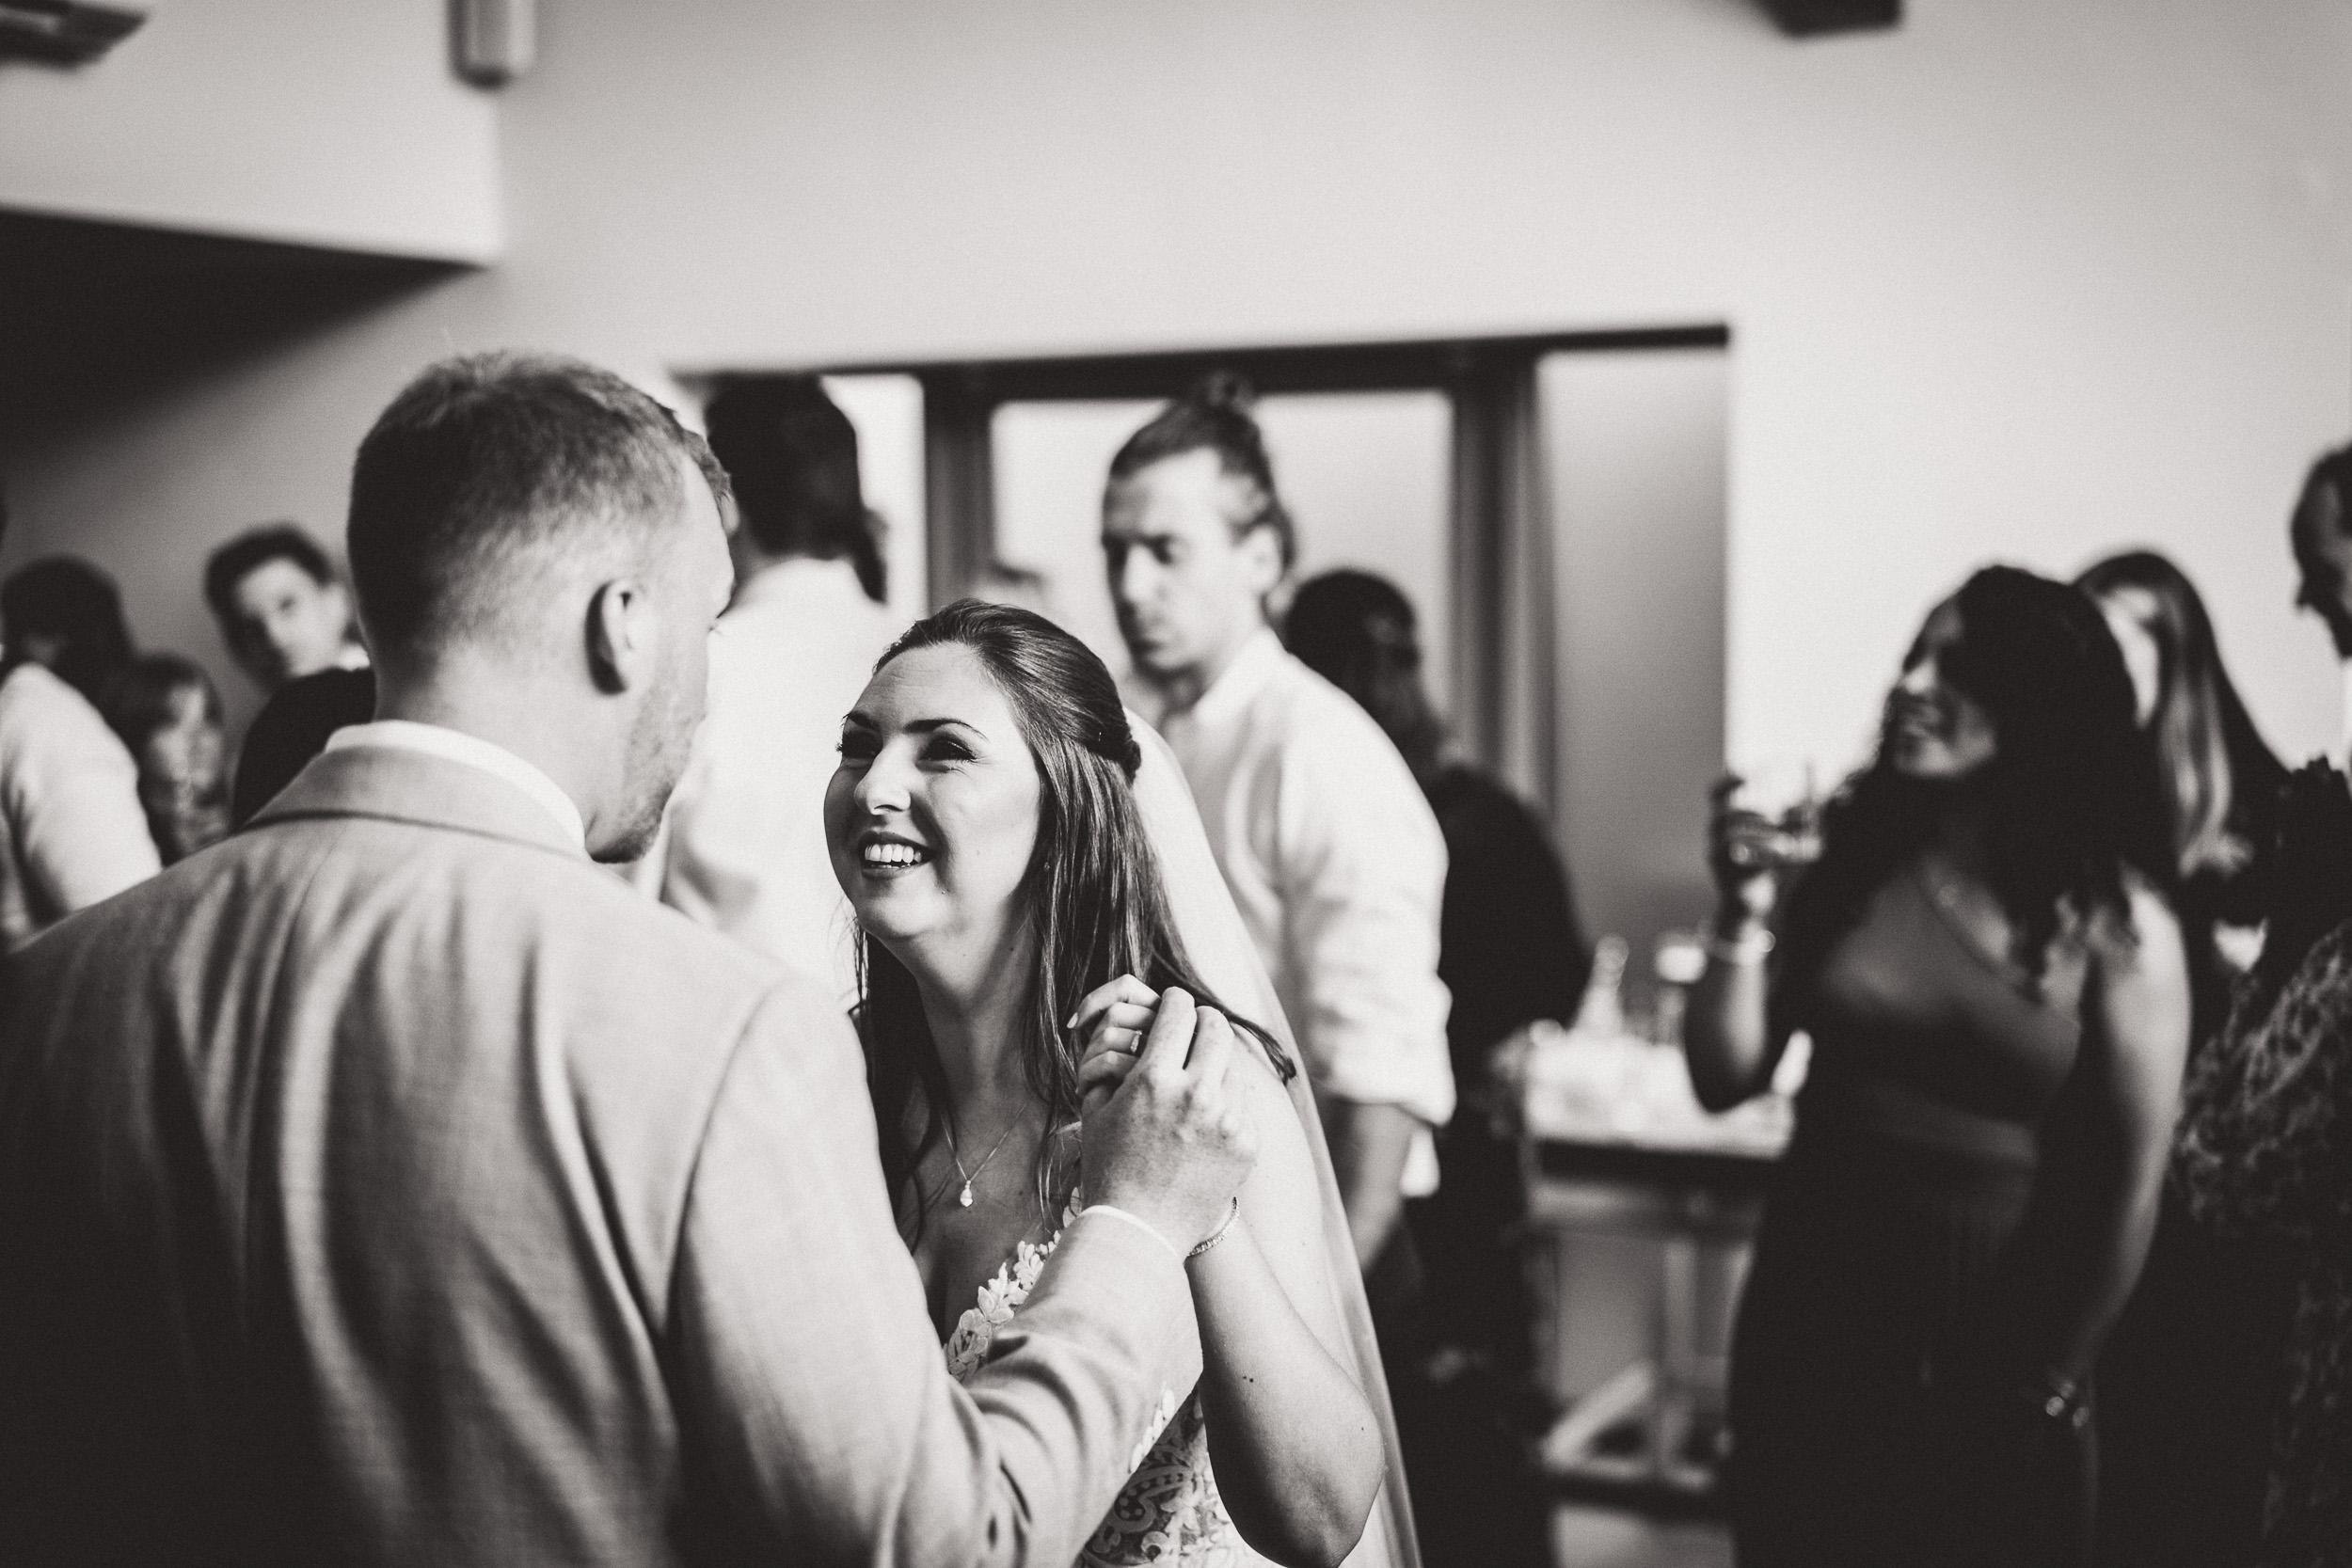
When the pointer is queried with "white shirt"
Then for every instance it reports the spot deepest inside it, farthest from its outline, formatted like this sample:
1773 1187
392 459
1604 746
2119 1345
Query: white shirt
2344 743
437 740
745 850
71 829
1337 865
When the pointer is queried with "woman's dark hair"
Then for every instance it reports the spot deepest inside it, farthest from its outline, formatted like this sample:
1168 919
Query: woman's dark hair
2218 776
1214 415
144 699
1092 893
1359 632
791 455
66 600
2069 792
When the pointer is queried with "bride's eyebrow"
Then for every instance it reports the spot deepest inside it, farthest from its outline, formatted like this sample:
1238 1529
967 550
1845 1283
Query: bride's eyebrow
925 726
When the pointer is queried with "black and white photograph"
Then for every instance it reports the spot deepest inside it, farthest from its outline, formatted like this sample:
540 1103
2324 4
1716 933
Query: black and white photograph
1228 784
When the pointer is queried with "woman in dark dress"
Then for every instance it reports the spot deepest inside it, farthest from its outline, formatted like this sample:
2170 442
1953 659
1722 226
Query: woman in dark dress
1998 1003
1510 951
2188 1379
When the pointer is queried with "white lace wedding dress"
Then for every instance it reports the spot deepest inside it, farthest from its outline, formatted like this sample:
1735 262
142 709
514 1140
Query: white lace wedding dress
1169 1512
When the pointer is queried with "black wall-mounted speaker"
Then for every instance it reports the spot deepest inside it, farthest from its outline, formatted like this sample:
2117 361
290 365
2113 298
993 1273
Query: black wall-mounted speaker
62 33
1811 18
492 41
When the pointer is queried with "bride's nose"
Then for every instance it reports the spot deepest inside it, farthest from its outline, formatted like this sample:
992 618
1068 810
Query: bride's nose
887 783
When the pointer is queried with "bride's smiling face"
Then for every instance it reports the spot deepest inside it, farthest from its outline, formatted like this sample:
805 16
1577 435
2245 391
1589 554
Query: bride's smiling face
932 814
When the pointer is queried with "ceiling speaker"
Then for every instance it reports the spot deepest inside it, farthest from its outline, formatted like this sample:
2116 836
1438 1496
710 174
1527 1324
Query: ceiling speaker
493 40
1811 18
62 33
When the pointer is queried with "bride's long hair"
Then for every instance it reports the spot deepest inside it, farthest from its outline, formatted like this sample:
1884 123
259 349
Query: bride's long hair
1092 894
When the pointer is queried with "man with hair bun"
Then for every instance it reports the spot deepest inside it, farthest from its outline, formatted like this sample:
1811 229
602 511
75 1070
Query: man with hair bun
391 1185
1326 843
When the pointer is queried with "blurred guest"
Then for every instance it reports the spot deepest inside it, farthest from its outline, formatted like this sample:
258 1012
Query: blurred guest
291 728
1509 952
2320 532
1331 850
2221 783
745 852
2186 1383
69 788
283 611
166 710
1999 1004
2264 1153
1022 587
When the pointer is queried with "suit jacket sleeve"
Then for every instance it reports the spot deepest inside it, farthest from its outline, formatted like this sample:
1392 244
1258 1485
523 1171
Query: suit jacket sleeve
813 1384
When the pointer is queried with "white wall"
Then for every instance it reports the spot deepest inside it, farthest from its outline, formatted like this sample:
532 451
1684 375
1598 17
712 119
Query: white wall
2021 278
326 122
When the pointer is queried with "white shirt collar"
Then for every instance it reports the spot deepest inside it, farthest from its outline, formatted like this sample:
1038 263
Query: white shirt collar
2343 741
437 740
1258 662
800 576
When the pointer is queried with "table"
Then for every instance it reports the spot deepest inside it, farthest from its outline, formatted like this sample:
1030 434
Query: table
1613 1141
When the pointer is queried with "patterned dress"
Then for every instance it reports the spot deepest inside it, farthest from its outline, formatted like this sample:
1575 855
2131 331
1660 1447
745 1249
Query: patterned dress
2266 1150
1169 1512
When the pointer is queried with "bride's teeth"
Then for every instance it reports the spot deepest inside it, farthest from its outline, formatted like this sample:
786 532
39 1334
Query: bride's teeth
892 854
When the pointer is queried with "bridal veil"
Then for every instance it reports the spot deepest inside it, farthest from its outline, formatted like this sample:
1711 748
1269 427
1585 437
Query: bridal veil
1227 961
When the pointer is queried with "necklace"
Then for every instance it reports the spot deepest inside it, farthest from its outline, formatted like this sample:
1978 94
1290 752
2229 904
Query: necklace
964 1198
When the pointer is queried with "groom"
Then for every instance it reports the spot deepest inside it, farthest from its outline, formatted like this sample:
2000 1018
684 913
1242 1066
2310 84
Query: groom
392 1185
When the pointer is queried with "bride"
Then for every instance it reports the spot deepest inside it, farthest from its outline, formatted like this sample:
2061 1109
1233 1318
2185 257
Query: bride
985 824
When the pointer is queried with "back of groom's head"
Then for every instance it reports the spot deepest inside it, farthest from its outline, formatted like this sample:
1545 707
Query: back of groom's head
489 471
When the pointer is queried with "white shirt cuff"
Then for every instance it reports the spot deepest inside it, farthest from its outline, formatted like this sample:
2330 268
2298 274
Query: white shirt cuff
1144 1226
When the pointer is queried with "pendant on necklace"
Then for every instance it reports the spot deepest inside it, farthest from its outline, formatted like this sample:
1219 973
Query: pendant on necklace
966 1196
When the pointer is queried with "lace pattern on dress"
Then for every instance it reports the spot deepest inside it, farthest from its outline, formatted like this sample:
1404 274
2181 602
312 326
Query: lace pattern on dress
1169 1512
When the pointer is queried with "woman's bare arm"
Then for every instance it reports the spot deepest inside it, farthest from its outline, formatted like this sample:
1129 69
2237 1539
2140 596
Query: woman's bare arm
1727 1038
1298 1454
2104 1147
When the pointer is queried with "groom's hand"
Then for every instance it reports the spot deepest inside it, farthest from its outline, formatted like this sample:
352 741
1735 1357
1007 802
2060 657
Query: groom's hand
1172 1146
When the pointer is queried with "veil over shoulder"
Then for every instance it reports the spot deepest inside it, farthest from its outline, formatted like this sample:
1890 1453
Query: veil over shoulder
1223 955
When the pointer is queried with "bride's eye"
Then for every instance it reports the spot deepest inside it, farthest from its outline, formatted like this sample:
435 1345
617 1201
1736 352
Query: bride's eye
855 748
944 747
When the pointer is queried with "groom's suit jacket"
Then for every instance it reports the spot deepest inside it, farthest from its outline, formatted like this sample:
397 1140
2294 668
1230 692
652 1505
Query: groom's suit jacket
389 1184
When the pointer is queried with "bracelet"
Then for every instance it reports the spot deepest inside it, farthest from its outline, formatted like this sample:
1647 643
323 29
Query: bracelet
1218 1234
2057 1400
1750 949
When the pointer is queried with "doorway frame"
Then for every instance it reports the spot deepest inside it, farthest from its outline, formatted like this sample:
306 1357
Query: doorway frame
1499 534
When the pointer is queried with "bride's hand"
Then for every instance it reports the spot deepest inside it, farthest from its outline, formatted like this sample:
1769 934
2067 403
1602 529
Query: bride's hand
1115 1018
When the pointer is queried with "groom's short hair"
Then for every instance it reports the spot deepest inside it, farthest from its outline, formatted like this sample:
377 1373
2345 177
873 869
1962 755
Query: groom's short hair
488 466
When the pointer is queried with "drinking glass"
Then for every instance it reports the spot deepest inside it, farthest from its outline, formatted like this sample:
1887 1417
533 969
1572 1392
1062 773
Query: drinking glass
1776 813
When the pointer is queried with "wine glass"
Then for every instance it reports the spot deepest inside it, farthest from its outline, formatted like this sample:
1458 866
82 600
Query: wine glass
1775 807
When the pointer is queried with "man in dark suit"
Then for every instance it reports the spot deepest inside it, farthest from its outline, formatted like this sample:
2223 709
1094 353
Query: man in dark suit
392 1185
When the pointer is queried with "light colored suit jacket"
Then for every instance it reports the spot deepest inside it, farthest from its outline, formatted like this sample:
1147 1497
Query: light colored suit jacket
388 1184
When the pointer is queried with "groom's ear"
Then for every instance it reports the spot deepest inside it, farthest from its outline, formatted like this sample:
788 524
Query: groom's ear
619 633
